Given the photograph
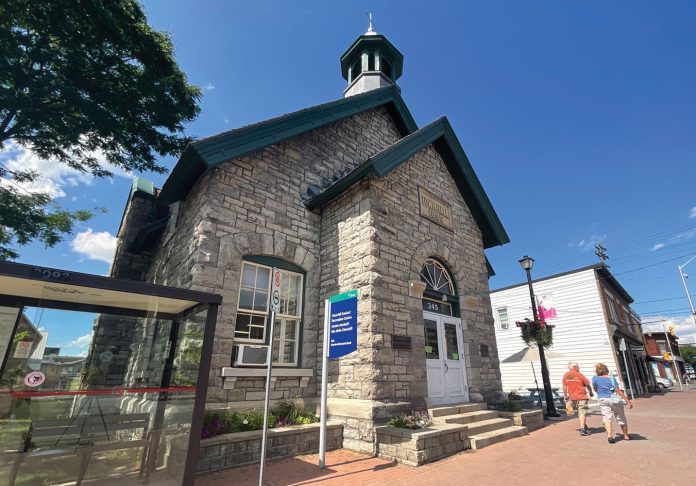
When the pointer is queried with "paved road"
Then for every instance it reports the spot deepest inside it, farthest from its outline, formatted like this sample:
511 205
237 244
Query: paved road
662 453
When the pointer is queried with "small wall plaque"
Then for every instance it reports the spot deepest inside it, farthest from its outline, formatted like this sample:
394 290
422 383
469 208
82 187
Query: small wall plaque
401 342
435 209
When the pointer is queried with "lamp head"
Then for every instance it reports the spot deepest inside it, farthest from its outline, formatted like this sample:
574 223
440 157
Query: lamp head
527 262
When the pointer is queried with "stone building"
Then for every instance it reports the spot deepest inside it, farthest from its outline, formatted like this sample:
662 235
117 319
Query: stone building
346 195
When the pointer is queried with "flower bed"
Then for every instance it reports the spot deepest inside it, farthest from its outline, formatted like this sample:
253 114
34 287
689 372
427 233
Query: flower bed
412 421
232 450
416 447
226 422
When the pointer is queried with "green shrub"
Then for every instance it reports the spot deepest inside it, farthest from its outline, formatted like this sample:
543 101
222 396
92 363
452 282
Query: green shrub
291 413
225 422
512 406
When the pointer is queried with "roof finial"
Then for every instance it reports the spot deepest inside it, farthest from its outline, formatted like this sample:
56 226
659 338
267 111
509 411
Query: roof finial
371 29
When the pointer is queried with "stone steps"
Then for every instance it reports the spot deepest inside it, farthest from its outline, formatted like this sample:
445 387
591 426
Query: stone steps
467 418
480 441
456 409
484 426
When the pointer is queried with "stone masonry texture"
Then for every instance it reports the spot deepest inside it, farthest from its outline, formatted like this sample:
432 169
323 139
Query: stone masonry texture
370 238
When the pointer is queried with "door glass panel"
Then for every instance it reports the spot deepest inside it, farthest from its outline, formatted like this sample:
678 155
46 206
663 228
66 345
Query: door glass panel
451 341
432 347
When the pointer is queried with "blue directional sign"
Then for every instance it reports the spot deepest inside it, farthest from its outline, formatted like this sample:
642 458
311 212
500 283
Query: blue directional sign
343 324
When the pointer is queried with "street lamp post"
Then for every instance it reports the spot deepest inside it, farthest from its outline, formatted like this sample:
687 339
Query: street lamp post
527 263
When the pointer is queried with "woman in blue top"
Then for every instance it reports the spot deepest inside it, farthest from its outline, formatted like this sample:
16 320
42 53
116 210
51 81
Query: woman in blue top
606 386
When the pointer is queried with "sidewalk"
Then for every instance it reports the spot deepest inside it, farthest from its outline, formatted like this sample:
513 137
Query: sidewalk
661 453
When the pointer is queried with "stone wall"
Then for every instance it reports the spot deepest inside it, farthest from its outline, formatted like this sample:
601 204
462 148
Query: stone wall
232 450
532 419
405 240
253 206
416 447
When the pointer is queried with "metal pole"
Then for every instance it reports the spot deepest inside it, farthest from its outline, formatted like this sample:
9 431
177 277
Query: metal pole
324 386
269 358
671 354
550 405
686 289
628 374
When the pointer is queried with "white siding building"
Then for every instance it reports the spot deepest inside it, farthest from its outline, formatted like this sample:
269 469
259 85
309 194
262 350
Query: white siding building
575 303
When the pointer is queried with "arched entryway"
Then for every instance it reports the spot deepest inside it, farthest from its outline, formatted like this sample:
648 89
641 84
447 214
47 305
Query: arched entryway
444 347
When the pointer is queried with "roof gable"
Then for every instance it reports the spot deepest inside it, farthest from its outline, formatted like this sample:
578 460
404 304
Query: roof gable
441 135
213 151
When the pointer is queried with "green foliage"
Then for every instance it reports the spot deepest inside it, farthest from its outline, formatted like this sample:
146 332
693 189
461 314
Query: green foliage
82 83
688 352
10 378
189 358
413 420
535 333
226 422
291 413
511 405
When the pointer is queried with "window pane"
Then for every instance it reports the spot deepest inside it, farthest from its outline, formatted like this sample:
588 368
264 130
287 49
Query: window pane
246 298
432 349
451 342
288 353
241 327
263 276
260 301
248 275
290 329
256 332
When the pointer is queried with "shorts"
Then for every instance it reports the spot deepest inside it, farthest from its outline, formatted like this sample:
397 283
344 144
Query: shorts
612 411
581 406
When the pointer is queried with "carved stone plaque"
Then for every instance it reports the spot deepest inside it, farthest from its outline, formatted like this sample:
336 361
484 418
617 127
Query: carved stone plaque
435 209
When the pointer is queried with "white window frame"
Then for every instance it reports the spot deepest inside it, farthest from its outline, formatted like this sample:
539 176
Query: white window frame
506 324
281 319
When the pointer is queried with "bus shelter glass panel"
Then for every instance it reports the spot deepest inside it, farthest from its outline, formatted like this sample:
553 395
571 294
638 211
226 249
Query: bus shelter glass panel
97 397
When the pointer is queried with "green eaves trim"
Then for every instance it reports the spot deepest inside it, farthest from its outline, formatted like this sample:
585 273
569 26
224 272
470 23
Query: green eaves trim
214 151
440 134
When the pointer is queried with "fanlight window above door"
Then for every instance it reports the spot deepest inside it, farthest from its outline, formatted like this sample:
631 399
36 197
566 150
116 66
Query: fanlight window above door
436 277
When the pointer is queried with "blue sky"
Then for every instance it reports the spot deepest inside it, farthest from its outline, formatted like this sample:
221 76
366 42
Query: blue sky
577 116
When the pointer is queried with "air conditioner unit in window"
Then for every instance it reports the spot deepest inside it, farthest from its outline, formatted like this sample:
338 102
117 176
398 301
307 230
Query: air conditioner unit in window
250 355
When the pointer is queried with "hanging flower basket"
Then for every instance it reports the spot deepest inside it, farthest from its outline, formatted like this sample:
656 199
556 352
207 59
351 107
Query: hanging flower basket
535 333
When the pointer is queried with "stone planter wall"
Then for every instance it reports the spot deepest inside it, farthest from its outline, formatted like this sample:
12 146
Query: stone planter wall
416 447
532 419
232 450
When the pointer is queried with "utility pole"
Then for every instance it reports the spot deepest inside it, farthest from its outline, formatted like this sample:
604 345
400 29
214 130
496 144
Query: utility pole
601 252
686 289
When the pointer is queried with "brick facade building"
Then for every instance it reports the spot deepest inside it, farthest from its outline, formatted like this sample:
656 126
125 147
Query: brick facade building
346 195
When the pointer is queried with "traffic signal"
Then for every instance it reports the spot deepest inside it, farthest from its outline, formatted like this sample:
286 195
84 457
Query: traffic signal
666 357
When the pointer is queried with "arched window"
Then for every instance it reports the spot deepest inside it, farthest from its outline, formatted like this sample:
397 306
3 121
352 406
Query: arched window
436 277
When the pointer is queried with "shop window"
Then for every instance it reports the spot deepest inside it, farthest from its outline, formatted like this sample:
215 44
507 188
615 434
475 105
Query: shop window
663 347
503 320
253 311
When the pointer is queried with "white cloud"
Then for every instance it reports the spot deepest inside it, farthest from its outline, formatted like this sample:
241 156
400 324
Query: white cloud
692 213
208 87
78 347
96 246
684 325
657 246
588 244
54 178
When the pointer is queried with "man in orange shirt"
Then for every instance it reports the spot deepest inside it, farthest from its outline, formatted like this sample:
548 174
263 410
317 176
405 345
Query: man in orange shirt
576 388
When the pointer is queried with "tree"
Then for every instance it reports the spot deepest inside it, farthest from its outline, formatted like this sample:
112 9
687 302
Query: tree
83 81
688 353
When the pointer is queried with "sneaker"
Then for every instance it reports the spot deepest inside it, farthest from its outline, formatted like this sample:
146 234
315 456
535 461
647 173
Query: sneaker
583 432
586 429
611 440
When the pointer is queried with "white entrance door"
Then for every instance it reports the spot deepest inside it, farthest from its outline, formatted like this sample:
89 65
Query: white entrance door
444 359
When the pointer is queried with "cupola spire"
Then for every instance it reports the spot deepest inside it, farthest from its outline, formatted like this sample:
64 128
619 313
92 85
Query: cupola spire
371 62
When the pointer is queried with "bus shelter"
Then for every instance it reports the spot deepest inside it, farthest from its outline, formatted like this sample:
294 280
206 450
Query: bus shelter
103 380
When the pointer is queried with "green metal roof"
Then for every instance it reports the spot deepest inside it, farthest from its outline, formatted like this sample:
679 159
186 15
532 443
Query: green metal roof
440 134
214 151
376 42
